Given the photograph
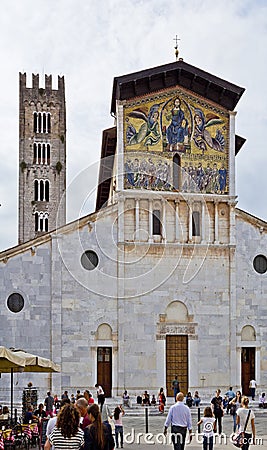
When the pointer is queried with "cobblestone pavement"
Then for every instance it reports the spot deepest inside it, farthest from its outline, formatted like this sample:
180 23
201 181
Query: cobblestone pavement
135 436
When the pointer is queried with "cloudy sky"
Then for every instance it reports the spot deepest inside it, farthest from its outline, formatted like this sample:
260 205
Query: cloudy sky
91 41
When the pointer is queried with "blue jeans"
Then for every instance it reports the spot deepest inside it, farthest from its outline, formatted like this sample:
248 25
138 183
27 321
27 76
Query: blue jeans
252 391
207 442
175 392
234 419
118 431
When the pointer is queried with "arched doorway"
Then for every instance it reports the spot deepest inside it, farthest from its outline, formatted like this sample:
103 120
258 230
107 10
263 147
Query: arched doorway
176 318
104 358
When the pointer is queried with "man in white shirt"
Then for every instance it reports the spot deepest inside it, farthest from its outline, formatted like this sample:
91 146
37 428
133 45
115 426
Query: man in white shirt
253 385
100 395
179 417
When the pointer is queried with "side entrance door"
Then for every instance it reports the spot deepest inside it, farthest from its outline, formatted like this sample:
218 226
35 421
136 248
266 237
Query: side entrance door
247 368
176 362
104 369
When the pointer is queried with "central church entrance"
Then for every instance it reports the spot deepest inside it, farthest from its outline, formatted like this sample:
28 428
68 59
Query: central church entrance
176 362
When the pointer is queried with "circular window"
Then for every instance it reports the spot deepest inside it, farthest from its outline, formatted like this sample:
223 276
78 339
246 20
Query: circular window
15 302
89 260
260 263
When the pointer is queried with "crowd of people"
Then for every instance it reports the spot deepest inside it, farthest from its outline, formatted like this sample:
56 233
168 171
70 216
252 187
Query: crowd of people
80 423
180 420
77 422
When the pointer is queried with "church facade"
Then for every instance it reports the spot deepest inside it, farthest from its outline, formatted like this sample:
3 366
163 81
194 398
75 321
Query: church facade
167 277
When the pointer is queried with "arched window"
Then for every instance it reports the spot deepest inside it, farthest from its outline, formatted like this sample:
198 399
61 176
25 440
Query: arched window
41 222
48 123
46 198
42 122
176 311
39 123
41 190
41 153
176 171
156 222
35 122
48 154
36 190
195 223
34 153
248 333
36 216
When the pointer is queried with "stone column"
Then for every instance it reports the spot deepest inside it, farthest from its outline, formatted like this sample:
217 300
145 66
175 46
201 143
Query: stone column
120 149
203 221
163 225
121 218
190 222
232 234
150 221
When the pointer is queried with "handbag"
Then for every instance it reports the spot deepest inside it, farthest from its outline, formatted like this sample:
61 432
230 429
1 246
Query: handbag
238 438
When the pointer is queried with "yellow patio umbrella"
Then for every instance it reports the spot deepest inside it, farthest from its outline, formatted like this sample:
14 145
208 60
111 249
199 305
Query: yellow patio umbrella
10 360
35 363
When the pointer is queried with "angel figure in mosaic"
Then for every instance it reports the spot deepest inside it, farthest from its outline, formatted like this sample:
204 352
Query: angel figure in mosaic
202 136
148 132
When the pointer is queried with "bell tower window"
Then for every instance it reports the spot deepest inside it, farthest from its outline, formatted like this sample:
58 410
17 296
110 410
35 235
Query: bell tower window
41 190
42 122
41 153
41 222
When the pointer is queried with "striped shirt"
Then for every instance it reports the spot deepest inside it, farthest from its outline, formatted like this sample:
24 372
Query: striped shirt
60 443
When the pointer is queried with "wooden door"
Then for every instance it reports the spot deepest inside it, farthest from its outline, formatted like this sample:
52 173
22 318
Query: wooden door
176 362
104 369
247 368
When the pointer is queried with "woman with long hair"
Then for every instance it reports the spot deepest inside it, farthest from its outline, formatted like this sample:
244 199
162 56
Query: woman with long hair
234 405
245 420
67 433
97 435
117 417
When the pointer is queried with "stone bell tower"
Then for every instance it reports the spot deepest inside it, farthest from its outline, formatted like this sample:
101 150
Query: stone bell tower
42 157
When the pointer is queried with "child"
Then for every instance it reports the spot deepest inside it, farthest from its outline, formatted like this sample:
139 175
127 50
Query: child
117 416
208 428
153 400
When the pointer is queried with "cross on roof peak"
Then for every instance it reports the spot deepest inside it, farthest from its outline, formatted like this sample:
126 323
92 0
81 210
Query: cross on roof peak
176 39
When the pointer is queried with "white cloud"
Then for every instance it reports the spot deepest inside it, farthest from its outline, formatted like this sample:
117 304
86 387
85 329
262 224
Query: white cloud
92 42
